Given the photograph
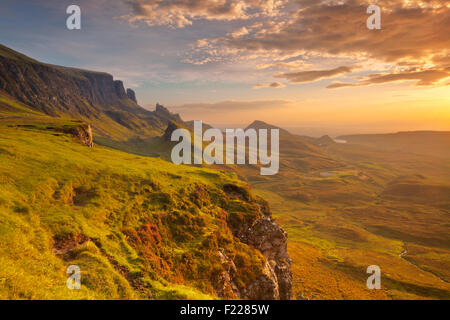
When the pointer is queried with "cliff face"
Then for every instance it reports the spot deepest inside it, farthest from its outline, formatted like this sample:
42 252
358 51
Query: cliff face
56 90
131 95
269 238
259 231
78 94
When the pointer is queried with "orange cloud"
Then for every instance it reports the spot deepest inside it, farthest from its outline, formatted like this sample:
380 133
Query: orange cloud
276 85
422 78
314 75
408 30
414 34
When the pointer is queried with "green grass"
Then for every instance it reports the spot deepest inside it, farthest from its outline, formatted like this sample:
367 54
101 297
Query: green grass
131 223
11 54
12 106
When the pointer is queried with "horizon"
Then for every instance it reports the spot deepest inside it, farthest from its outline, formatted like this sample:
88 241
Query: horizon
221 67
214 153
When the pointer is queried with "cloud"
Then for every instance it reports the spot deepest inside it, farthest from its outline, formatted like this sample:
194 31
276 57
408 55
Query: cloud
182 13
414 34
339 27
277 85
314 75
284 65
422 78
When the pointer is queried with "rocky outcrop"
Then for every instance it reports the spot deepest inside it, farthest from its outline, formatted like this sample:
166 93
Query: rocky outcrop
79 94
82 132
224 285
132 95
269 238
264 287
120 89
171 127
264 234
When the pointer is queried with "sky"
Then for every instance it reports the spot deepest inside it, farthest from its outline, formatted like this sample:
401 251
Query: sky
310 66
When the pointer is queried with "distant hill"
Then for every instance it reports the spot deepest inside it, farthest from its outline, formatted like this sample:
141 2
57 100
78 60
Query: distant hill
324 141
297 155
94 97
433 143
190 125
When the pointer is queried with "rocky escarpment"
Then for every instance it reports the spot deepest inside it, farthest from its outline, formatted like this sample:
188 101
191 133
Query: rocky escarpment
164 113
261 232
267 236
131 95
58 90
171 127
79 94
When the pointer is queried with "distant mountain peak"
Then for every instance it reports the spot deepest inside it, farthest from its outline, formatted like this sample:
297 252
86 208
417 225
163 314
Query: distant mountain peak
258 124
132 95
325 141
161 108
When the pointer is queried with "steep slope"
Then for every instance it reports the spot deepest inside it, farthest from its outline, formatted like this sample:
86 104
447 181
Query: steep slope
137 227
94 97
258 124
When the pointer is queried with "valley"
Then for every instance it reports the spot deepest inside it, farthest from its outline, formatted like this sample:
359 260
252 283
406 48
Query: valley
144 228
371 209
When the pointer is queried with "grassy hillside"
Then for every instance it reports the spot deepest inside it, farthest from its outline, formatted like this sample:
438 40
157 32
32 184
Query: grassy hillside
137 227
376 207
142 228
348 206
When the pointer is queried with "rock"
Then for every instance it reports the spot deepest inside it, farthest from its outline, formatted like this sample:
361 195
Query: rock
81 132
161 109
224 285
270 239
171 127
120 89
265 287
132 95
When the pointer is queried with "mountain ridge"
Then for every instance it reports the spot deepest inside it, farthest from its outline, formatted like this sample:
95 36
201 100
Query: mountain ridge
144 228
95 97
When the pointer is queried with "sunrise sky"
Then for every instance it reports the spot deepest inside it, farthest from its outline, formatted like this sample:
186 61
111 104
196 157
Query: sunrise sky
310 66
